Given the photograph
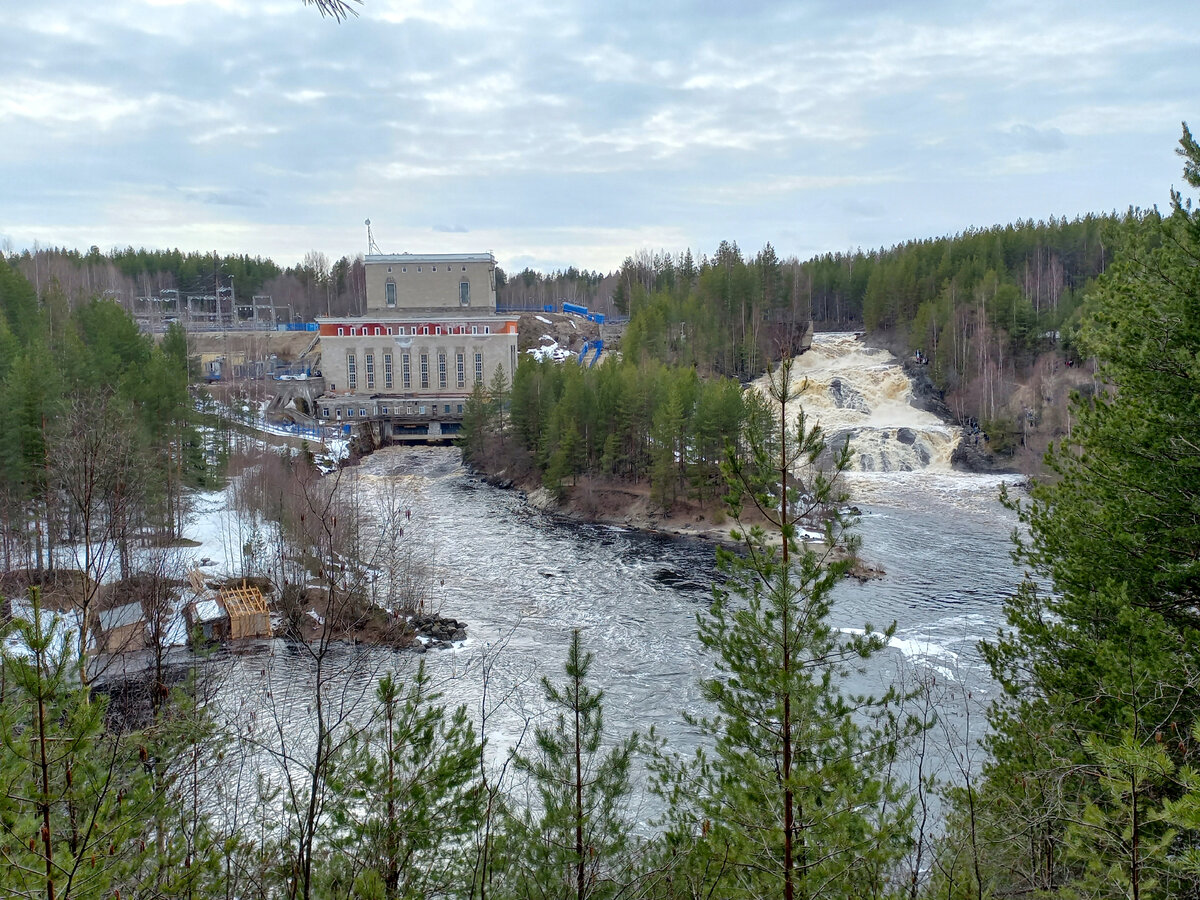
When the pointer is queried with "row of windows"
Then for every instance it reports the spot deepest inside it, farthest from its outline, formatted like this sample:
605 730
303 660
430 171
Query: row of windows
448 268
365 330
336 411
406 370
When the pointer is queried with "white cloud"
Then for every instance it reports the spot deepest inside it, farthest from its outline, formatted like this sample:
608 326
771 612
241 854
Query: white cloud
579 128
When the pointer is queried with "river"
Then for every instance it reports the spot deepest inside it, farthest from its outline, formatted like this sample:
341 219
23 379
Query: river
523 579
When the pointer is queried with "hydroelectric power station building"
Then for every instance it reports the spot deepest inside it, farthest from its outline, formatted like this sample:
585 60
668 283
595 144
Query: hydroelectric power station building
404 369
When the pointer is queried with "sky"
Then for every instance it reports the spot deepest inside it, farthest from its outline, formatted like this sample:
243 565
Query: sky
579 133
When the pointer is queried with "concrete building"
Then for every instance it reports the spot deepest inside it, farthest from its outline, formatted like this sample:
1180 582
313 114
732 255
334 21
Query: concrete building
404 369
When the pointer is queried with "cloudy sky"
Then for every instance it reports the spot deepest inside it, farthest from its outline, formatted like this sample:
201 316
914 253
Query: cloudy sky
580 132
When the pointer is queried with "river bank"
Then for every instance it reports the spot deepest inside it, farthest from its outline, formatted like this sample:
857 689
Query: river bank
596 501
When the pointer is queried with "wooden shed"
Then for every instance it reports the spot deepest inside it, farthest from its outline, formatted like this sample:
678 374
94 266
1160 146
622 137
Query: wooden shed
248 616
121 628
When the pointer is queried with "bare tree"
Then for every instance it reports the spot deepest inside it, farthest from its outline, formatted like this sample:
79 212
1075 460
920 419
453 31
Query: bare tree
95 471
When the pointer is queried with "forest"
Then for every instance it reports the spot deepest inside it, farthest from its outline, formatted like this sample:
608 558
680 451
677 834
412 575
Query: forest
988 311
1090 787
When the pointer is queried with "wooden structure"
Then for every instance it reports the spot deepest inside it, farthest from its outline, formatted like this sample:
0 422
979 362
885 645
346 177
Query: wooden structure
206 619
120 629
248 616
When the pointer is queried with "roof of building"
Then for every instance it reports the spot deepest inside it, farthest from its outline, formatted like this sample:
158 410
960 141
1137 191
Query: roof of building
429 258
243 601
121 616
207 610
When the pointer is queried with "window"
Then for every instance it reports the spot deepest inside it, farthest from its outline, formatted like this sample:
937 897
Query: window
418 268
341 331
447 407
384 410
424 370
460 409
479 368
363 413
404 268
387 371
339 412
353 331
325 412
438 330
378 330
370 358
350 412
351 371
464 268
442 371
389 329
390 287
487 329
464 292
435 268
405 371
474 329
460 369
424 329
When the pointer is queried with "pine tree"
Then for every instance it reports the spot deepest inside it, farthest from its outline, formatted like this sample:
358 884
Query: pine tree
77 801
1104 664
573 838
792 800
408 800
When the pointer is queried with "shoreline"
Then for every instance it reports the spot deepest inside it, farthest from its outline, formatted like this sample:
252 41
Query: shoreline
695 523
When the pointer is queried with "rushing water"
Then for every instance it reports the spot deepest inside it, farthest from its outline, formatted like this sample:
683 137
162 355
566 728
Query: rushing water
523 579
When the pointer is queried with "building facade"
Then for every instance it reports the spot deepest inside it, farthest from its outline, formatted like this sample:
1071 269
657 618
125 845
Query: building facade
430 333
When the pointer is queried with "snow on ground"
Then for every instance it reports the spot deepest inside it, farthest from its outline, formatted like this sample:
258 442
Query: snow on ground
216 530
549 351
543 319
63 629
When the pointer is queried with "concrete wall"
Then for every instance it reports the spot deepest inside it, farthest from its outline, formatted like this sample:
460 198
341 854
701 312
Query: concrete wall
432 281
427 404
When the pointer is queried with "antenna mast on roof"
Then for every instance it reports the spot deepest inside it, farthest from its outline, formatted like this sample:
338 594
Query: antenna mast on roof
372 247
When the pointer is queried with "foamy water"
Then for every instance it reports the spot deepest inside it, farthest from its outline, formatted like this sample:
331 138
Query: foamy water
861 394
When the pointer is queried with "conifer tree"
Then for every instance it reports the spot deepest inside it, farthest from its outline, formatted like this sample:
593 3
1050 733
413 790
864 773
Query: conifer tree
1104 667
408 800
572 839
792 800
75 799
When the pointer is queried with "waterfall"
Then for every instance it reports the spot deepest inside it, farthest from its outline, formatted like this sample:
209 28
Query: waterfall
861 394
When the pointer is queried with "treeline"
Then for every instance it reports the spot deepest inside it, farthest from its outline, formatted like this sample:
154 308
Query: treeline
982 306
315 287
1047 263
99 433
620 419
530 289
725 316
